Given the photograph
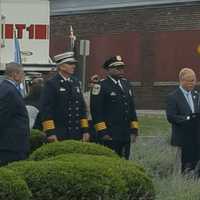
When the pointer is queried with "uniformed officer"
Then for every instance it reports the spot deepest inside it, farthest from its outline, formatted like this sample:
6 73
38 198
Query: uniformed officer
113 110
63 109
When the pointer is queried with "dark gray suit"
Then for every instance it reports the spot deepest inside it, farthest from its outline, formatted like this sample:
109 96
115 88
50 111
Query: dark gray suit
184 126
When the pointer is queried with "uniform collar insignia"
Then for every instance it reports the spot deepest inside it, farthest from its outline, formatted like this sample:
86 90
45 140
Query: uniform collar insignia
78 89
112 94
62 89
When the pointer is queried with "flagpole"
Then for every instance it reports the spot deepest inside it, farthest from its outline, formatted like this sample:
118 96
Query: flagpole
72 39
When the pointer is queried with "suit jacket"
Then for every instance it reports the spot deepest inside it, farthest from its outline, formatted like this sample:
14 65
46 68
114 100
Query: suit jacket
178 111
14 121
113 109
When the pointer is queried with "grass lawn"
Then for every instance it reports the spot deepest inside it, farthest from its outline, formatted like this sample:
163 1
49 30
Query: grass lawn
154 125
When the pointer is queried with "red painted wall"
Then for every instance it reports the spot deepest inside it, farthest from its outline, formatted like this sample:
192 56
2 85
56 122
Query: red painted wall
169 51
127 45
173 51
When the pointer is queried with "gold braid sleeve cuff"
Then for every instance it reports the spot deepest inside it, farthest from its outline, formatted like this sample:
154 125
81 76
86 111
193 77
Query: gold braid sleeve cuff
135 124
48 125
100 126
84 123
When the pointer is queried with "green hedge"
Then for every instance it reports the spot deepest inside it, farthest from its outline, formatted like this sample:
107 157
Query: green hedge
50 180
37 139
13 187
70 146
139 185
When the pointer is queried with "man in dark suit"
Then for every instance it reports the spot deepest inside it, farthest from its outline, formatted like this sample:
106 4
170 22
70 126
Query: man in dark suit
14 122
182 109
63 110
113 109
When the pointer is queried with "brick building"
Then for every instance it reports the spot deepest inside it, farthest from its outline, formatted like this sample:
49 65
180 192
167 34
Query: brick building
156 38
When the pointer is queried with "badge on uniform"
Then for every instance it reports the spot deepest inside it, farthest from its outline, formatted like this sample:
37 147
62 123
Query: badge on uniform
78 89
113 94
96 89
62 89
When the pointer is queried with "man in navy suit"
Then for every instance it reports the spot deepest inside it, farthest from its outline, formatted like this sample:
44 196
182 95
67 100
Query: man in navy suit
14 122
182 109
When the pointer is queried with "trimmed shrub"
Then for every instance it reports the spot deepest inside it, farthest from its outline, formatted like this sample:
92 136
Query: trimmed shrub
75 157
13 187
50 180
37 139
138 183
70 146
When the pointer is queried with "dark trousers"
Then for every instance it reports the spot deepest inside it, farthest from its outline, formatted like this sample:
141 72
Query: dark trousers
122 148
190 153
93 134
10 156
189 158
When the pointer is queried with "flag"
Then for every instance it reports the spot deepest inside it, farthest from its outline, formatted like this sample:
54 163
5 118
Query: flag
17 52
17 59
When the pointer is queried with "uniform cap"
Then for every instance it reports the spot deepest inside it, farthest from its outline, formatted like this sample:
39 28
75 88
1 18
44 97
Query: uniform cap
67 57
114 62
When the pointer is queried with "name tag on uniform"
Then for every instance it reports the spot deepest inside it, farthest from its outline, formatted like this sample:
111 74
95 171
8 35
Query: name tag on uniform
62 89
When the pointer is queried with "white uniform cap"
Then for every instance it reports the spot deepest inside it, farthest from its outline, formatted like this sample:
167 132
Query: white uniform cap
67 57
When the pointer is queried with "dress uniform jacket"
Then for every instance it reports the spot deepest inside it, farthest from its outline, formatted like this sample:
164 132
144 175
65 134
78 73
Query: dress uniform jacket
113 109
63 109
14 121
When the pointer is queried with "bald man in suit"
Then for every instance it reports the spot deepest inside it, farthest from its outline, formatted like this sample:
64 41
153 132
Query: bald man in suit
182 112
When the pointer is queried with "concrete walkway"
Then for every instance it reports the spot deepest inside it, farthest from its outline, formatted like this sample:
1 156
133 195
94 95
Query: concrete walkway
151 112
